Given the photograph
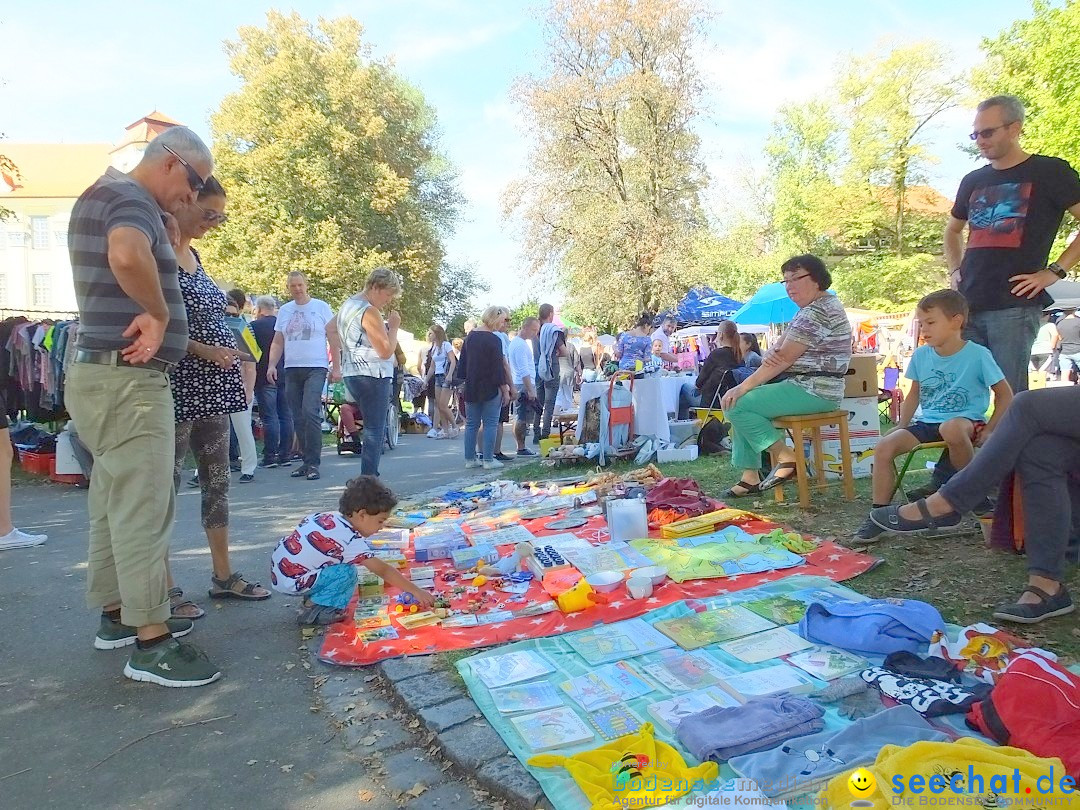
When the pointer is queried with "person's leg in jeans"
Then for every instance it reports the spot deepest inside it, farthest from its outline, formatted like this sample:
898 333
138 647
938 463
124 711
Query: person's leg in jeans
489 415
294 387
271 422
473 411
241 425
689 397
311 416
285 425
551 391
373 396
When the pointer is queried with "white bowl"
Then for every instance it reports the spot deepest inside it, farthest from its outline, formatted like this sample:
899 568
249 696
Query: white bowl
605 581
654 573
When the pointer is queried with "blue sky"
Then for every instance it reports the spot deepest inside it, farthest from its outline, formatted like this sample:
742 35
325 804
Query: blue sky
80 70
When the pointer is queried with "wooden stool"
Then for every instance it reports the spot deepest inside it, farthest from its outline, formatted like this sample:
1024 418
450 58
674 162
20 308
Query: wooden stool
795 425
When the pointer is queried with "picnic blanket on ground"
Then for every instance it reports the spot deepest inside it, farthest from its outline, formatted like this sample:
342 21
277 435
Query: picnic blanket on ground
343 646
560 652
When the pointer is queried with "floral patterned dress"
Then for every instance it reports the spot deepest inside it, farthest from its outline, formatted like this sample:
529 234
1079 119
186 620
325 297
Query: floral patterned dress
201 388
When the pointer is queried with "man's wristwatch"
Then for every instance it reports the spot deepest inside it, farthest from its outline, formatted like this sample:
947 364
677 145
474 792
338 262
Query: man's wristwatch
1057 270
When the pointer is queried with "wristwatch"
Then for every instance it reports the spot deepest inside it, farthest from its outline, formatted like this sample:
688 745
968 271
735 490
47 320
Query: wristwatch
1057 270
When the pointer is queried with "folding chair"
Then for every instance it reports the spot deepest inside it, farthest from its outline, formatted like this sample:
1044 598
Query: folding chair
889 395
907 463
623 415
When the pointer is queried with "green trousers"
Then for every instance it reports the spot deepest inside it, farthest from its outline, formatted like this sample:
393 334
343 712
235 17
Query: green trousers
751 419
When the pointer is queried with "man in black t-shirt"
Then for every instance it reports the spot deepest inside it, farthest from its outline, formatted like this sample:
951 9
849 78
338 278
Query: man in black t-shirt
272 398
1012 209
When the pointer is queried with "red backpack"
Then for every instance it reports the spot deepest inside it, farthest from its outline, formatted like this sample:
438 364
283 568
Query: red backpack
1035 705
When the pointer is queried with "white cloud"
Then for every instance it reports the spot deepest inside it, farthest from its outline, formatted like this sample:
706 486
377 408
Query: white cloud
417 49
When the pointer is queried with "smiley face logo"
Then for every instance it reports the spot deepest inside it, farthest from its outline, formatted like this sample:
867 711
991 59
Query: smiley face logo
861 783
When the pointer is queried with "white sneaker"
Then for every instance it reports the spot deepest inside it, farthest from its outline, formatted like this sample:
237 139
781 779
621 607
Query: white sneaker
432 434
472 465
494 464
20 539
441 434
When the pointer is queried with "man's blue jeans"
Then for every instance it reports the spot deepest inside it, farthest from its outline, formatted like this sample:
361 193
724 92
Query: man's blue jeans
372 396
277 422
304 388
1009 335
488 414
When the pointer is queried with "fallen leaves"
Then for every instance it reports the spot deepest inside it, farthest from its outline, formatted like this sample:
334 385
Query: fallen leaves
365 795
416 790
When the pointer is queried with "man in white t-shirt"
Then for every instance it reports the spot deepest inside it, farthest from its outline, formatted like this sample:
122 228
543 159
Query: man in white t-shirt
305 328
663 334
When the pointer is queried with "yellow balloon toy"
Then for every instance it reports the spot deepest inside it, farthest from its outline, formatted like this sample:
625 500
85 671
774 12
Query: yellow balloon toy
632 771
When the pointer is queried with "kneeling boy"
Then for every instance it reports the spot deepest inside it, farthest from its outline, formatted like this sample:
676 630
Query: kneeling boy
951 379
318 560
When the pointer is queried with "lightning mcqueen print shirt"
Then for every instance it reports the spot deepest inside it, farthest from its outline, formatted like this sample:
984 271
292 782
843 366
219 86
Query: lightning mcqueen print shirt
323 539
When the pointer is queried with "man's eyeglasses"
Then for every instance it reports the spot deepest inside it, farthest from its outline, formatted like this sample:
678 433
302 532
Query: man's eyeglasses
793 279
215 217
194 180
986 133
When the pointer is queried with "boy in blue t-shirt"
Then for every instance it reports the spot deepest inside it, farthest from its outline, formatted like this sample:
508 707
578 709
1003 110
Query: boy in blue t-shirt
951 379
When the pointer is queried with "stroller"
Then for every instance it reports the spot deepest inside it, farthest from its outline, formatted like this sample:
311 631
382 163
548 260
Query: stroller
349 415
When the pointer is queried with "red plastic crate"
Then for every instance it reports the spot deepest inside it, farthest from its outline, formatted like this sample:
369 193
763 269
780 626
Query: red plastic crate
64 478
37 463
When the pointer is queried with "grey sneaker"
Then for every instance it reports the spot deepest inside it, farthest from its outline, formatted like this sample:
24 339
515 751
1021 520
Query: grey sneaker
172 663
493 465
114 635
869 532
473 464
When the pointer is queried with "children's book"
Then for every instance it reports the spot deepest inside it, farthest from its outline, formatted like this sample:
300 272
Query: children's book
669 713
381 618
768 681
552 728
503 670
564 542
377 634
411 621
763 646
828 663
614 722
501 536
614 642
606 686
685 671
779 609
719 624
526 697
808 595
462 620
610 557
494 616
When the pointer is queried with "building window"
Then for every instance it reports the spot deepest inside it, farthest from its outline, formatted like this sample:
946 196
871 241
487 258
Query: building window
60 238
42 289
17 238
40 228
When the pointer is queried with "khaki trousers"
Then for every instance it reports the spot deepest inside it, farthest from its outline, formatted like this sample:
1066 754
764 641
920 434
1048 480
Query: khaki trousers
124 416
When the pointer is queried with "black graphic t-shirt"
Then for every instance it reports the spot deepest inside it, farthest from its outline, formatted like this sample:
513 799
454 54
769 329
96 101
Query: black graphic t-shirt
1013 216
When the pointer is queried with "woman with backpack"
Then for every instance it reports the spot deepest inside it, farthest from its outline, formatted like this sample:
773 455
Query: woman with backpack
368 342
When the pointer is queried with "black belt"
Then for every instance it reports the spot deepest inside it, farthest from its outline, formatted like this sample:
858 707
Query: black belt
114 358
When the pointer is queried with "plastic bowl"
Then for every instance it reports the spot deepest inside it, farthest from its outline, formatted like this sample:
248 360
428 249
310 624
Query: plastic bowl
654 573
605 581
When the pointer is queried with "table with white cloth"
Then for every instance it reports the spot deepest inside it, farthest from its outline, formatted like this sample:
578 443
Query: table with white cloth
654 399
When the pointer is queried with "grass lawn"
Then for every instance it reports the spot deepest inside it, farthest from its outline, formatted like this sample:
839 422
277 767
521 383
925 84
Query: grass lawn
957 574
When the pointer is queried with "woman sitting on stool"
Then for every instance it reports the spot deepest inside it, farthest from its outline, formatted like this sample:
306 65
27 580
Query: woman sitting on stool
812 356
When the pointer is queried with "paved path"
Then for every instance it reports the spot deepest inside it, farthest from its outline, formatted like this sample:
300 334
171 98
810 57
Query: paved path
67 712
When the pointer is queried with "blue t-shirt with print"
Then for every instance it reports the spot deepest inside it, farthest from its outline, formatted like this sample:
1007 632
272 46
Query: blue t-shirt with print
954 386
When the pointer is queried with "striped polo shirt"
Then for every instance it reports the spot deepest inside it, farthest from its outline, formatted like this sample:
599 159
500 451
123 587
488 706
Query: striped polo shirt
105 310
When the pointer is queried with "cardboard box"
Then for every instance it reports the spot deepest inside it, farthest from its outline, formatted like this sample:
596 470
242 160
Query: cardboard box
677 454
862 458
864 419
862 378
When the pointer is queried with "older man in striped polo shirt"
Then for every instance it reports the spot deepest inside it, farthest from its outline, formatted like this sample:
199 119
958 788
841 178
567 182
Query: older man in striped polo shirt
132 330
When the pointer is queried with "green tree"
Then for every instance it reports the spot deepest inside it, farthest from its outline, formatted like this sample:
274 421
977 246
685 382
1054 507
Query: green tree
887 282
610 201
1037 60
332 166
458 287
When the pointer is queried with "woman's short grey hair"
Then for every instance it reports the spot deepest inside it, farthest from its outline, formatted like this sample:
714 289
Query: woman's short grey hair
383 278
1012 108
492 316
266 303
183 142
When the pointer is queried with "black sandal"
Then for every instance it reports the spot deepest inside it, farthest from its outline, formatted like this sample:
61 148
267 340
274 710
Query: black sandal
888 518
1034 612
774 479
224 589
313 474
751 489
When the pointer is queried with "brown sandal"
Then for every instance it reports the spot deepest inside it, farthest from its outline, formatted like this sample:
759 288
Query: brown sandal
183 608
228 588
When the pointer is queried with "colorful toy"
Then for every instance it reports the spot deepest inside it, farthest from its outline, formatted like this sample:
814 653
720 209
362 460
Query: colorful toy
577 598
515 561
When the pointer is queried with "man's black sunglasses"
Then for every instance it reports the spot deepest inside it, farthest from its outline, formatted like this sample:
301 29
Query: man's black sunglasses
194 180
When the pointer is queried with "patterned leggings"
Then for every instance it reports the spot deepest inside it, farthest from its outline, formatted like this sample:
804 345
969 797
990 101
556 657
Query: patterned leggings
208 439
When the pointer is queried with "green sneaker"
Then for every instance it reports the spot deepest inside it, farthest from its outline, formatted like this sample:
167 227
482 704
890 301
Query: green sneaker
114 635
172 663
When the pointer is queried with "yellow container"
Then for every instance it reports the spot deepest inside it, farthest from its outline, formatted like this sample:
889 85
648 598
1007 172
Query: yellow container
547 444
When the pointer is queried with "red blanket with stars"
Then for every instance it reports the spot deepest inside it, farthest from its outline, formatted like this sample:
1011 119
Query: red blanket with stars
343 646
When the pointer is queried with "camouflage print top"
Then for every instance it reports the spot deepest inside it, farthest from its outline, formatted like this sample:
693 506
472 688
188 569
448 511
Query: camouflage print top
822 326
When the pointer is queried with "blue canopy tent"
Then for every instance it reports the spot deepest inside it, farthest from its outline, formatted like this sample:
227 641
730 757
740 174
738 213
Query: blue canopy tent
767 306
704 306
